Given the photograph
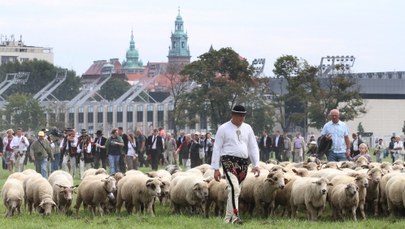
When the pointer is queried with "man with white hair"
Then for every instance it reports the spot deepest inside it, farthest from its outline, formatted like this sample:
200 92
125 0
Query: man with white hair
337 132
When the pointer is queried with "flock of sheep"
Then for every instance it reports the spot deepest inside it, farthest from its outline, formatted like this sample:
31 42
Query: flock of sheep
285 188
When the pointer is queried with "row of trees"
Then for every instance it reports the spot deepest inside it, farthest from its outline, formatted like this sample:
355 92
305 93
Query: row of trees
221 78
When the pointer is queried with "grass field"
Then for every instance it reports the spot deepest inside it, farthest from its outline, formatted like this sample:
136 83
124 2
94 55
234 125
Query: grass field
165 219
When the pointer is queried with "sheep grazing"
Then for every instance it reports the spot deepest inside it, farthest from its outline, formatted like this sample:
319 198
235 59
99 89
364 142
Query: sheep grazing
188 191
395 191
344 199
39 195
218 195
13 194
63 188
95 192
139 192
309 192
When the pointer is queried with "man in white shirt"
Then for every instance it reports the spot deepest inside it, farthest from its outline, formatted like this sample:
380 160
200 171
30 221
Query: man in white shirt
235 142
19 144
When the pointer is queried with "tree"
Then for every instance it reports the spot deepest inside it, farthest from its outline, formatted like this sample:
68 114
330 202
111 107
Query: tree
23 111
114 88
69 88
224 79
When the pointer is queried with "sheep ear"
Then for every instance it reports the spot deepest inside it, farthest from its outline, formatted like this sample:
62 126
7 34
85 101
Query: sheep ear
269 180
149 174
295 171
41 204
286 180
149 182
330 184
196 187
284 170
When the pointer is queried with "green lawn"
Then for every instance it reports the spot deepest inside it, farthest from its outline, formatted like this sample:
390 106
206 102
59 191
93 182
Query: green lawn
165 219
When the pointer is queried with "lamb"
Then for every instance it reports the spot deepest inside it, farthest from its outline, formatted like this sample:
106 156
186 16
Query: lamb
395 190
188 191
361 180
344 198
309 192
217 194
373 191
18 175
13 194
95 192
63 188
39 195
138 191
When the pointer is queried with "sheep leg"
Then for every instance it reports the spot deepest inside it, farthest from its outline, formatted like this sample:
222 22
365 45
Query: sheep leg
149 208
207 208
354 213
375 207
361 208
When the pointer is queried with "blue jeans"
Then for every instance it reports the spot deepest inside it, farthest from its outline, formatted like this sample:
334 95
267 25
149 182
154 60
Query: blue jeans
114 163
41 166
55 163
336 156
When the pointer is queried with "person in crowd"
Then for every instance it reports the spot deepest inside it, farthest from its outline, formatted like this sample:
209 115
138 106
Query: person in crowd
299 147
207 146
40 151
180 139
19 145
235 144
54 140
391 148
124 137
379 150
155 147
312 149
141 148
195 158
398 148
363 149
113 146
287 148
338 132
99 150
68 149
170 149
86 157
278 146
131 158
354 147
265 146
8 151
184 151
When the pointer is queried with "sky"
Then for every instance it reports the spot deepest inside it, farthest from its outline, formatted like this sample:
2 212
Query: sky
81 32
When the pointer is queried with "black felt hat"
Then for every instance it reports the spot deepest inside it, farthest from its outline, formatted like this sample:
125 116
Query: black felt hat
239 109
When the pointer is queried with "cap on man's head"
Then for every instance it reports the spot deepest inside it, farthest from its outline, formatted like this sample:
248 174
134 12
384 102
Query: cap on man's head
239 109
83 131
99 132
41 134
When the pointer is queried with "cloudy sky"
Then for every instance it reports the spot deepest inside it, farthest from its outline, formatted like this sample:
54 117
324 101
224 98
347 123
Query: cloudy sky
83 31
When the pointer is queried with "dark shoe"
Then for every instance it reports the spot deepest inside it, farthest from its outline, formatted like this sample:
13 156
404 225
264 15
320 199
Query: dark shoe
237 220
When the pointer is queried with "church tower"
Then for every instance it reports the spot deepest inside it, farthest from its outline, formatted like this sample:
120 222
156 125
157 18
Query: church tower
132 64
179 52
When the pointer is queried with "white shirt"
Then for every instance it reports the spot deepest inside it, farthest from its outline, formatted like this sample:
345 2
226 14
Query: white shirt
17 143
356 145
276 141
131 149
72 144
233 141
79 149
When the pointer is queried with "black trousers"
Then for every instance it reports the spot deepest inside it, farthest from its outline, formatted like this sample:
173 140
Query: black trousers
155 156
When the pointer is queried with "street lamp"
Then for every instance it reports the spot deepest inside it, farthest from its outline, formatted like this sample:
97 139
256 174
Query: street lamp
330 64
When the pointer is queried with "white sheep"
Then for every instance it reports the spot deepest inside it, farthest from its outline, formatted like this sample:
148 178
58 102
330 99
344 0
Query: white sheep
13 194
39 195
383 185
188 191
395 191
217 195
310 193
344 199
95 192
18 175
63 188
361 180
139 192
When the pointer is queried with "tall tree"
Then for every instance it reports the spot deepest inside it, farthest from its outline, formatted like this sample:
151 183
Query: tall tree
224 78
114 88
23 111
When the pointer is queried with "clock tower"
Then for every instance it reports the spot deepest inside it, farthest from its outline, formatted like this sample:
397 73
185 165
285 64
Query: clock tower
179 52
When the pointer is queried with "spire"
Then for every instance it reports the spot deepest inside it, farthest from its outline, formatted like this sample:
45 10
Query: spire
132 62
179 51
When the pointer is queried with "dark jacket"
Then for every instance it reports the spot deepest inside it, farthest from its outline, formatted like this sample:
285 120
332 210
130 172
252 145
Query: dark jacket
159 143
280 143
269 144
